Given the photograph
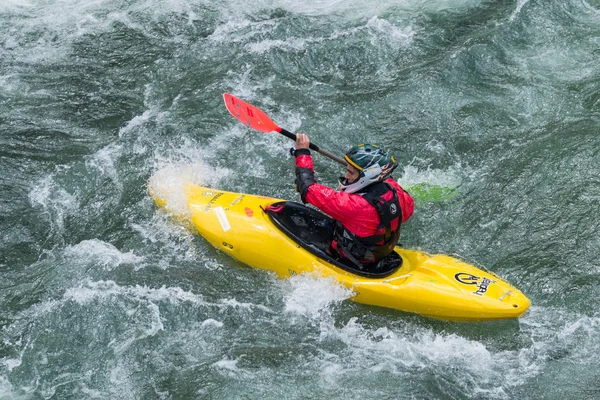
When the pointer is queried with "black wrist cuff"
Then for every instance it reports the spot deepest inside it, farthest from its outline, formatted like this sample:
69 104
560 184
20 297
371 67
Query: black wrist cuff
301 152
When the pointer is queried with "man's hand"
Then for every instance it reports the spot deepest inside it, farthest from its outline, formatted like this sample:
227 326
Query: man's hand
302 141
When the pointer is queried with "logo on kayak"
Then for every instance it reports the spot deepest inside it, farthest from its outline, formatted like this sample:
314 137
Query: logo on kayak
468 279
393 209
212 201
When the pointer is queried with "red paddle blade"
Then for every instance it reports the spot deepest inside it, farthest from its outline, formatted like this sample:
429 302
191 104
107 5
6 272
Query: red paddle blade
249 115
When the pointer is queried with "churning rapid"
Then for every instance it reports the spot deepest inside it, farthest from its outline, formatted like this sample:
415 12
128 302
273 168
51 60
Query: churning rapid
104 296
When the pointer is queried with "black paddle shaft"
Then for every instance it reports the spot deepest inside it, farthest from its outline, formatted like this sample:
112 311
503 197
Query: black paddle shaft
314 147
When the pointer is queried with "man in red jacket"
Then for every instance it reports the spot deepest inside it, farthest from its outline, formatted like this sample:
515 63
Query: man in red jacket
368 209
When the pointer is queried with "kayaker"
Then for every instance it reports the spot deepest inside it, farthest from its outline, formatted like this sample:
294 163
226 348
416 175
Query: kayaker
368 208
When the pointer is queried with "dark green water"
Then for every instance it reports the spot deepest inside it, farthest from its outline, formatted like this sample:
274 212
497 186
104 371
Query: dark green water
103 297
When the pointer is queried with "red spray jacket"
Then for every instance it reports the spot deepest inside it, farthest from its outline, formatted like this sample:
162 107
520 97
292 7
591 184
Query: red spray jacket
352 210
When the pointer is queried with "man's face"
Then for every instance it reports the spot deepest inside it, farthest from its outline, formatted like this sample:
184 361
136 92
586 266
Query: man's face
351 174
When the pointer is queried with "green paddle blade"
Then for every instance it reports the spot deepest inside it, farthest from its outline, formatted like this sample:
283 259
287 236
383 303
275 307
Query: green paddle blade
428 192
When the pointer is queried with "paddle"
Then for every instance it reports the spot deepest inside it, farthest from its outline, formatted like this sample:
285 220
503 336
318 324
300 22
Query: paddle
255 118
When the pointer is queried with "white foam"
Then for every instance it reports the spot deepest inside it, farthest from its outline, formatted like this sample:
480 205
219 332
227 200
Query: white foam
121 381
400 37
520 4
453 349
6 389
311 296
551 329
156 324
11 363
595 9
266 45
211 323
49 195
104 161
10 85
14 5
406 348
57 24
227 364
237 30
100 290
353 8
162 229
450 178
101 252
175 238
93 393
383 29
56 201
169 182
139 120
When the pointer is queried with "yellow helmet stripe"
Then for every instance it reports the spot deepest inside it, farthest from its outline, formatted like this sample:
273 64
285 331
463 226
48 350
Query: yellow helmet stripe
349 161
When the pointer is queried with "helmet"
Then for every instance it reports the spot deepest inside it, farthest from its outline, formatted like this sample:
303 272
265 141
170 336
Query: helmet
373 163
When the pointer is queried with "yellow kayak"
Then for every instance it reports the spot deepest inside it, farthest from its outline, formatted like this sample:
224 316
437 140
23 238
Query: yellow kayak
289 238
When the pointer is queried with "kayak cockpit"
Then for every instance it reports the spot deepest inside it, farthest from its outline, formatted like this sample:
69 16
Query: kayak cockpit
313 231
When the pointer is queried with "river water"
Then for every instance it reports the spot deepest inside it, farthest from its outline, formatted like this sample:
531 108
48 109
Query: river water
102 296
